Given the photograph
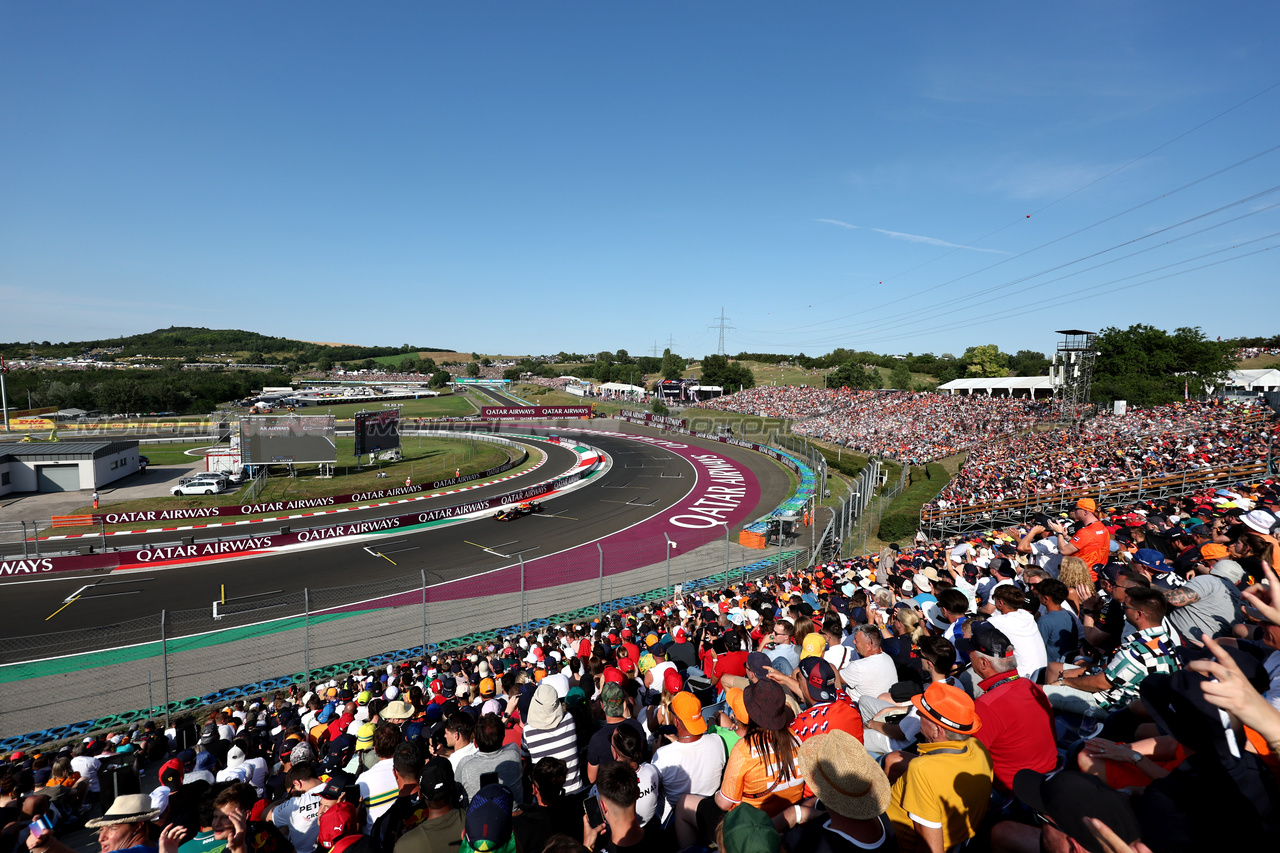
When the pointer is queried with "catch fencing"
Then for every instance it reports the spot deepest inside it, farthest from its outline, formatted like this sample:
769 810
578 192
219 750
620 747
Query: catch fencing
134 669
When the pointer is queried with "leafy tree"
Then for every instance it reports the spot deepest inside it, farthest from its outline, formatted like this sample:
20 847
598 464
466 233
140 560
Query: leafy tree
256 357
673 366
900 376
854 375
485 361
512 373
408 365
985 362
729 375
658 407
439 379
427 366
622 357
1147 366
1028 363
473 369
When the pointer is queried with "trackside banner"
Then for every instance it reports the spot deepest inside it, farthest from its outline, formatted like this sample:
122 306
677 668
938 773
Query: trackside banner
179 514
252 544
503 413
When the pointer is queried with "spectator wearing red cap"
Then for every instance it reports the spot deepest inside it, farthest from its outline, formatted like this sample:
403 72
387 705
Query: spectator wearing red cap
1017 720
940 797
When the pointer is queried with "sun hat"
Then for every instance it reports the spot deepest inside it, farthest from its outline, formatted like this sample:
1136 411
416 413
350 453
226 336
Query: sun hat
688 708
766 705
848 781
127 808
949 707
747 829
397 711
1258 520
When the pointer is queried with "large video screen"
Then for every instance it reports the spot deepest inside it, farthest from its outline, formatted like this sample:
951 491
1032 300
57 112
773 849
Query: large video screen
290 438
377 431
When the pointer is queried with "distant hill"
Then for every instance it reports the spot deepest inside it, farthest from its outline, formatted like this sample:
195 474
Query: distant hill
191 343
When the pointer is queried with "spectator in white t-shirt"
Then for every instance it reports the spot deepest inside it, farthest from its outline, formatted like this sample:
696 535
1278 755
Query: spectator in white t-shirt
1017 623
691 762
299 815
874 672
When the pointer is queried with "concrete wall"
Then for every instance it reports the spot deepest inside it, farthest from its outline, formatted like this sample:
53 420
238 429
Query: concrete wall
108 469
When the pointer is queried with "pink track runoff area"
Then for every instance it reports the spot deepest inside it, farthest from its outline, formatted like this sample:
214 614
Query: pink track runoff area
723 491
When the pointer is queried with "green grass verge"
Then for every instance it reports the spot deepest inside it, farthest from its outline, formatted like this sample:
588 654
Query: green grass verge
433 459
903 518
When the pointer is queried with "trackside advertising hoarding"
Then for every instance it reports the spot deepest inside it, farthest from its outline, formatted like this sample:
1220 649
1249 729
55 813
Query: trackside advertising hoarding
771 452
150 516
511 413
251 544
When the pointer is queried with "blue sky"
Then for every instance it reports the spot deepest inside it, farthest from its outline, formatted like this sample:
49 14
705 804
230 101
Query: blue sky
535 177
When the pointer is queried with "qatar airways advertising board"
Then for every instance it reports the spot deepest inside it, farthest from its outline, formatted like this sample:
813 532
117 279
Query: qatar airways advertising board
515 413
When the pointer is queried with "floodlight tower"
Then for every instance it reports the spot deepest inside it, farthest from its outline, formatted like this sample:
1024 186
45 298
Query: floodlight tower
1072 371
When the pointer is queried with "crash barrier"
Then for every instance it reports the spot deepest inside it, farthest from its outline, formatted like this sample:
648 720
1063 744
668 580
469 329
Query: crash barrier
305 503
754 534
1125 491
778 563
245 545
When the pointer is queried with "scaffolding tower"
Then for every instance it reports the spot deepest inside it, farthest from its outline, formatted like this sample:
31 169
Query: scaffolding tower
1072 372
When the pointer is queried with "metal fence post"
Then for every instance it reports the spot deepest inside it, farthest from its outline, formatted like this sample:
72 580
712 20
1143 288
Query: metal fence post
424 611
601 550
164 667
522 620
306 633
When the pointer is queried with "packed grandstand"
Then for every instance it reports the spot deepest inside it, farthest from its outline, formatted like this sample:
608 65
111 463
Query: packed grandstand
1108 677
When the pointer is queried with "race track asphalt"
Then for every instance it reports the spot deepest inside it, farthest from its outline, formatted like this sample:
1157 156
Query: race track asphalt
445 554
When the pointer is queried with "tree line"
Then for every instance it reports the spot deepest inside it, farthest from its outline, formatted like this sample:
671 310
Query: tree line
170 389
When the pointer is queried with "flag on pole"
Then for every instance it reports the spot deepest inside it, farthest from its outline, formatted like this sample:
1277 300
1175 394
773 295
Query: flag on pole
1186 390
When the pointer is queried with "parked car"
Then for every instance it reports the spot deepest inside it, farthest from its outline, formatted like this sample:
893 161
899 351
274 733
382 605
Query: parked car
193 486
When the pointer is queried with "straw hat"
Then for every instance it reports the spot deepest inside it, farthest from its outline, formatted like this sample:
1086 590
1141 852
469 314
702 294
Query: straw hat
842 774
128 808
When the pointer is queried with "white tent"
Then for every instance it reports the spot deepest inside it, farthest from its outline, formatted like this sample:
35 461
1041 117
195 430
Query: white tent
621 389
1004 386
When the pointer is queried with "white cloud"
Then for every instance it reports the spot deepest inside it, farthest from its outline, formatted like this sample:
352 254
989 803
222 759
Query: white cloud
838 222
933 241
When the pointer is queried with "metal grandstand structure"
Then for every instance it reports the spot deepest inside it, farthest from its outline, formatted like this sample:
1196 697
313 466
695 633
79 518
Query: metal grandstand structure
1072 371
962 520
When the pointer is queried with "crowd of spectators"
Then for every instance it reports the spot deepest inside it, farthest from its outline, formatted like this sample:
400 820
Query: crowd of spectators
909 427
1103 681
1110 449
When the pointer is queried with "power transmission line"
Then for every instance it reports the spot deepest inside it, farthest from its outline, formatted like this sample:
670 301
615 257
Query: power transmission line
721 326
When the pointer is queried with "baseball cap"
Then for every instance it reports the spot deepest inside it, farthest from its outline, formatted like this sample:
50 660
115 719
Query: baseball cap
814 645
436 781
338 782
487 688
338 822
687 707
671 681
756 663
821 678
488 823
990 640
1087 503
1151 558
733 698
1213 551
1070 796
747 829
613 699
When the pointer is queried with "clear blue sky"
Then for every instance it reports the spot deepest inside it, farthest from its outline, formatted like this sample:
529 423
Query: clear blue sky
534 177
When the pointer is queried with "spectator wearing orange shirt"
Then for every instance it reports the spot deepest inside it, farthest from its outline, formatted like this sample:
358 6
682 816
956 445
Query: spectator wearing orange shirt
1092 542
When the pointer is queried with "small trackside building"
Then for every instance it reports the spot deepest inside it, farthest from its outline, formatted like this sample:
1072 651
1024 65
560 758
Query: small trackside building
65 466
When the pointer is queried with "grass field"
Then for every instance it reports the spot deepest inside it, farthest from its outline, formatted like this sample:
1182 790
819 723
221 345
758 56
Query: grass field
1261 361
424 460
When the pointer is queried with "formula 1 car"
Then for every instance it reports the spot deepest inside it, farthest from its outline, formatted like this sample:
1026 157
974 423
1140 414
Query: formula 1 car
514 511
